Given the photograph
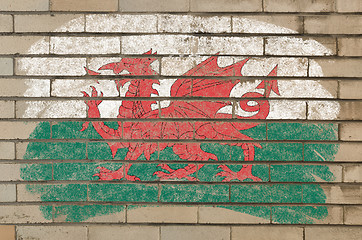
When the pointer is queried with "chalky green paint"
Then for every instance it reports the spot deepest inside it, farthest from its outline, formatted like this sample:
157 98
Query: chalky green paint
123 192
184 193
276 193
298 214
59 192
194 193
79 213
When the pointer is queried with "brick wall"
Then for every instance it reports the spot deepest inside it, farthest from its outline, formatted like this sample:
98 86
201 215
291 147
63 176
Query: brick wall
246 123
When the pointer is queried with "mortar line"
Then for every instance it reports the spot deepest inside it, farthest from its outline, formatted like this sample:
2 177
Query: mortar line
223 13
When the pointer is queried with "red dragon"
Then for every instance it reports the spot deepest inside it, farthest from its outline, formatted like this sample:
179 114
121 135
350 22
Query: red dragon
183 87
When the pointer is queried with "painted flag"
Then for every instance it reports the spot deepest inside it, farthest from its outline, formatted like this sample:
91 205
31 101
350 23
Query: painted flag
178 119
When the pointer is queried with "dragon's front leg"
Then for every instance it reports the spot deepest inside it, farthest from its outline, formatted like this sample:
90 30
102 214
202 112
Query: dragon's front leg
93 112
245 171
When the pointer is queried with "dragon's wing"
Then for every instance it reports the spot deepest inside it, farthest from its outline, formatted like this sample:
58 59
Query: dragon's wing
208 87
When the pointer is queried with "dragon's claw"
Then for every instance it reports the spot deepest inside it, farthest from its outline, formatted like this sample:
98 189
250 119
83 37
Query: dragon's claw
106 174
229 175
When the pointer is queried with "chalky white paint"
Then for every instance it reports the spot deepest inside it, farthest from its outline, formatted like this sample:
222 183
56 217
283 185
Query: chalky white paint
182 44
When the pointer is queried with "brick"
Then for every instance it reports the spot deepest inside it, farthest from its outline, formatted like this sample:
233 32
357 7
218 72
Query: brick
23 214
183 65
208 173
351 131
272 152
305 173
333 233
294 67
118 192
96 63
233 214
51 109
353 6
6 66
163 44
194 193
195 232
352 173
325 110
335 194
10 172
84 45
286 215
51 150
230 45
343 152
21 149
97 151
309 89
17 130
225 6
350 89
7 192
146 171
84 5
36 172
299 6
276 193
121 23
50 66
336 24
19 5
257 132
352 215
90 213
7 150
187 63
350 111
7 108
191 24
285 109
302 131
49 23
124 232
21 45
7 232
335 68
80 171
52 192
267 24
350 46
300 46
74 88
161 214
6 23
349 152
70 130
52 232
154 6
266 233
24 87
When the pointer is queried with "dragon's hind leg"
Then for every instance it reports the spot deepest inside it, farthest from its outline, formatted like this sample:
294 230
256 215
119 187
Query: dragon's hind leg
134 152
245 171
182 173
186 151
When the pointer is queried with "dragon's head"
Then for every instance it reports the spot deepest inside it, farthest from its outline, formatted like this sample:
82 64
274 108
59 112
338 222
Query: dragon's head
130 66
